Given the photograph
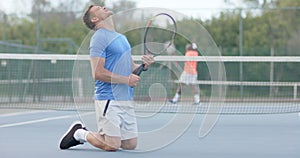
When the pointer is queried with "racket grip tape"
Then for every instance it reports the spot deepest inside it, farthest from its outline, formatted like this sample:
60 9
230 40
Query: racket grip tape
139 70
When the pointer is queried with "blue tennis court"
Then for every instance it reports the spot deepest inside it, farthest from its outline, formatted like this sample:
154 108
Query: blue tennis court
36 134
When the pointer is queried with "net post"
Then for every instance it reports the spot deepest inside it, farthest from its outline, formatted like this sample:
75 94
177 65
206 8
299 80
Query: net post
80 88
295 91
241 51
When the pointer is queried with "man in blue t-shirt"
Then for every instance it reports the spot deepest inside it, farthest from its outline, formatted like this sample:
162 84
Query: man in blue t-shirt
112 68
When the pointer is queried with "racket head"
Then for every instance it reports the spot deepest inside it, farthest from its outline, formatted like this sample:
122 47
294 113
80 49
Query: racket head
159 34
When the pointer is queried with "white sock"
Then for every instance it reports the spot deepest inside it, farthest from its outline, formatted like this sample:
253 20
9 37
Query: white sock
176 97
80 135
197 98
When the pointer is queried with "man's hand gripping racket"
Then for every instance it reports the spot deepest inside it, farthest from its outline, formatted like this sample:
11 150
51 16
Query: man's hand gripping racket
159 36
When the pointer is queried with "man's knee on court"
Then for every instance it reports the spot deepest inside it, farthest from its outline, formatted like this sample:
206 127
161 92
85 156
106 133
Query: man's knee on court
129 145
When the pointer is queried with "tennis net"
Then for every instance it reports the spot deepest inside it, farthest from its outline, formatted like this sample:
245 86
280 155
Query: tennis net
243 85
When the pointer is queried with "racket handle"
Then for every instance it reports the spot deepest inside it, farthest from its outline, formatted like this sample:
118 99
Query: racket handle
139 70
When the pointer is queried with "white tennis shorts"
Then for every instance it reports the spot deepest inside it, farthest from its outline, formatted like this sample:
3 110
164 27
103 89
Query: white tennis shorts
187 78
118 119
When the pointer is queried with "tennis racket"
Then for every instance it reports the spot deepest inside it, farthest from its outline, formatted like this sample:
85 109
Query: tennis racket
158 37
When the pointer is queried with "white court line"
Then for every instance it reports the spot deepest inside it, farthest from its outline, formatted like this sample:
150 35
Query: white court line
40 120
35 121
21 113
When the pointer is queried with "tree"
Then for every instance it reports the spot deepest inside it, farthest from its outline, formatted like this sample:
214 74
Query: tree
39 6
123 5
123 20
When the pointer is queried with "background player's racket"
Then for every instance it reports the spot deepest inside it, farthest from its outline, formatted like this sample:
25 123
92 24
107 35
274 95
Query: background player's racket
159 36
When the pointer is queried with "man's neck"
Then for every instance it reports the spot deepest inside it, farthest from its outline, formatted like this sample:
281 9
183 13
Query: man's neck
106 24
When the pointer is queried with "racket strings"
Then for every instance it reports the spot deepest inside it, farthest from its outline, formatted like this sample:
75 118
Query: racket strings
160 33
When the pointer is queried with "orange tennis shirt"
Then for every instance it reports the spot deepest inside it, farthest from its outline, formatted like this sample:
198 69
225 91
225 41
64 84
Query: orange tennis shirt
190 67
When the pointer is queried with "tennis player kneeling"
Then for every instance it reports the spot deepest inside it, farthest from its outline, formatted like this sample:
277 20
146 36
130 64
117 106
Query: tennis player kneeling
112 67
117 128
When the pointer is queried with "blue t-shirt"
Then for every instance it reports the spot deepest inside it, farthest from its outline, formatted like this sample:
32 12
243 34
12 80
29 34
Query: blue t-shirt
116 50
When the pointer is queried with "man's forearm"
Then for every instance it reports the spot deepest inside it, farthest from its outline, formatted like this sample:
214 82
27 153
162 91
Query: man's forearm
109 77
